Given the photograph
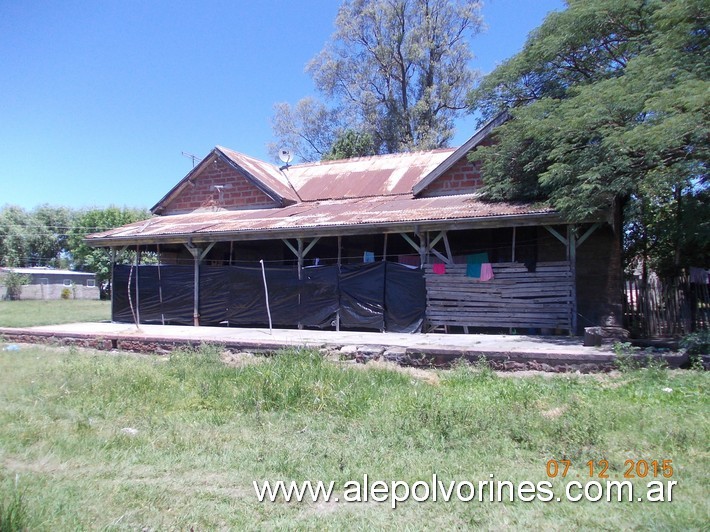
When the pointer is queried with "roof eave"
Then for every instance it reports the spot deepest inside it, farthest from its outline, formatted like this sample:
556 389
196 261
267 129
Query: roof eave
498 221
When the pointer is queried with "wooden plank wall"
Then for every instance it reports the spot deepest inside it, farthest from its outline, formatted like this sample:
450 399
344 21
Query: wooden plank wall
514 298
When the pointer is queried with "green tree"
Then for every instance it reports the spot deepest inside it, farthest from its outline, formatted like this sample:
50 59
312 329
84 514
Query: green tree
86 258
351 144
396 70
48 238
307 129
609 106
13 283
14 236
34 238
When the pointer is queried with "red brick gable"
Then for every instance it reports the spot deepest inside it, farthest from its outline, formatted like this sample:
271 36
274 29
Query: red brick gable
462 178
237 191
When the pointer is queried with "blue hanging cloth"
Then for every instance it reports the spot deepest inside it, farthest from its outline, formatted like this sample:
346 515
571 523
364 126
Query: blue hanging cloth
473 264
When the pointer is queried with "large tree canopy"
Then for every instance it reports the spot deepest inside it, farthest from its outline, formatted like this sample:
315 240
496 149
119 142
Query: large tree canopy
34 238
395 70
88 259
609 103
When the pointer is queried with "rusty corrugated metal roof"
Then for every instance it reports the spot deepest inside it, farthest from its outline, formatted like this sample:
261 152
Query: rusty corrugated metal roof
265 172
313 215
378 175
376 191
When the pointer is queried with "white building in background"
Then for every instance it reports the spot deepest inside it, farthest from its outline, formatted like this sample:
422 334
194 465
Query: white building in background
50 283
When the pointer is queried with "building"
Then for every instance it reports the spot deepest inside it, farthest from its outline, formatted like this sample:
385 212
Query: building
400 242
50 283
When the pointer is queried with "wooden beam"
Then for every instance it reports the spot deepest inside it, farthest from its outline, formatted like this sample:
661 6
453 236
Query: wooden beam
198 255
337 313
310 245
436 240
431 249
440 256
448 248
572 252
290 246
587 234
422 248
138 292
300 258
410 241
554 233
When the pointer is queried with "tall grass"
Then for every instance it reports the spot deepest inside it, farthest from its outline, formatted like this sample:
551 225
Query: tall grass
175 442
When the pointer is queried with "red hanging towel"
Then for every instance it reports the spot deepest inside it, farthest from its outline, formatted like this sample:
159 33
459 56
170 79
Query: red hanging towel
439 269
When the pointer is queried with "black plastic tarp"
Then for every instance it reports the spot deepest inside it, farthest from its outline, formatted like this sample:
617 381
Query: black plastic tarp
379 296
405 298
235 296
362 296
320 296
166 294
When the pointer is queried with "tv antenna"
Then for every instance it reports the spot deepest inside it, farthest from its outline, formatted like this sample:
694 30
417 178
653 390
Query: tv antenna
286 157
190 156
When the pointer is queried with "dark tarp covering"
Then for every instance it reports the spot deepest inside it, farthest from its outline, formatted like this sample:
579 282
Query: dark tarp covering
370 296
320 295
362 296
166 294
236 295
405 298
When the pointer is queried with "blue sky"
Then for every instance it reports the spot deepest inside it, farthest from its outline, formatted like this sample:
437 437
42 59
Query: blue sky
99 98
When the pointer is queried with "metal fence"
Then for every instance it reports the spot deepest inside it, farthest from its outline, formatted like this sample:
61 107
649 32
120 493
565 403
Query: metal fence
665 307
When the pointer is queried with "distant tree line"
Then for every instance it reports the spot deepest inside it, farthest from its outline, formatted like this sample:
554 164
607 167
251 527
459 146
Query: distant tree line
54 237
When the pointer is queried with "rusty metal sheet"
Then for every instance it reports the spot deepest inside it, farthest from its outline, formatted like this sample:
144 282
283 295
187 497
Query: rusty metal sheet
265 172
327 213
365 176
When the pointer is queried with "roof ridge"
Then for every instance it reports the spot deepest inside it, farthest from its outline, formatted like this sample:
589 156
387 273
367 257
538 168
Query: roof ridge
370 157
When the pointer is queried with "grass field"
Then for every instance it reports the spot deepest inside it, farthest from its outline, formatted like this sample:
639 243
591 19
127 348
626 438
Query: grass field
31 313
207 430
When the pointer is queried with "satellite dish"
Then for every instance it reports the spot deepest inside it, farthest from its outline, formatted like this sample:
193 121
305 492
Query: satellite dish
285 155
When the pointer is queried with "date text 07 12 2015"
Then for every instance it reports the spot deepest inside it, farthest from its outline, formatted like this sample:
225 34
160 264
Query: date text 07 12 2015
600 468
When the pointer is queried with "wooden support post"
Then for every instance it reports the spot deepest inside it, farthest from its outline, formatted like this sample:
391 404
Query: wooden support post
447 246
299 256
138 293
384 250
422 248
300 273
572 257
337 313
513 247
196 285
198 255
113 265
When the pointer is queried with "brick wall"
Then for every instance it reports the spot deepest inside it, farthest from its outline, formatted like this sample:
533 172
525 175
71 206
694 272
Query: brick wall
462 178
240 194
